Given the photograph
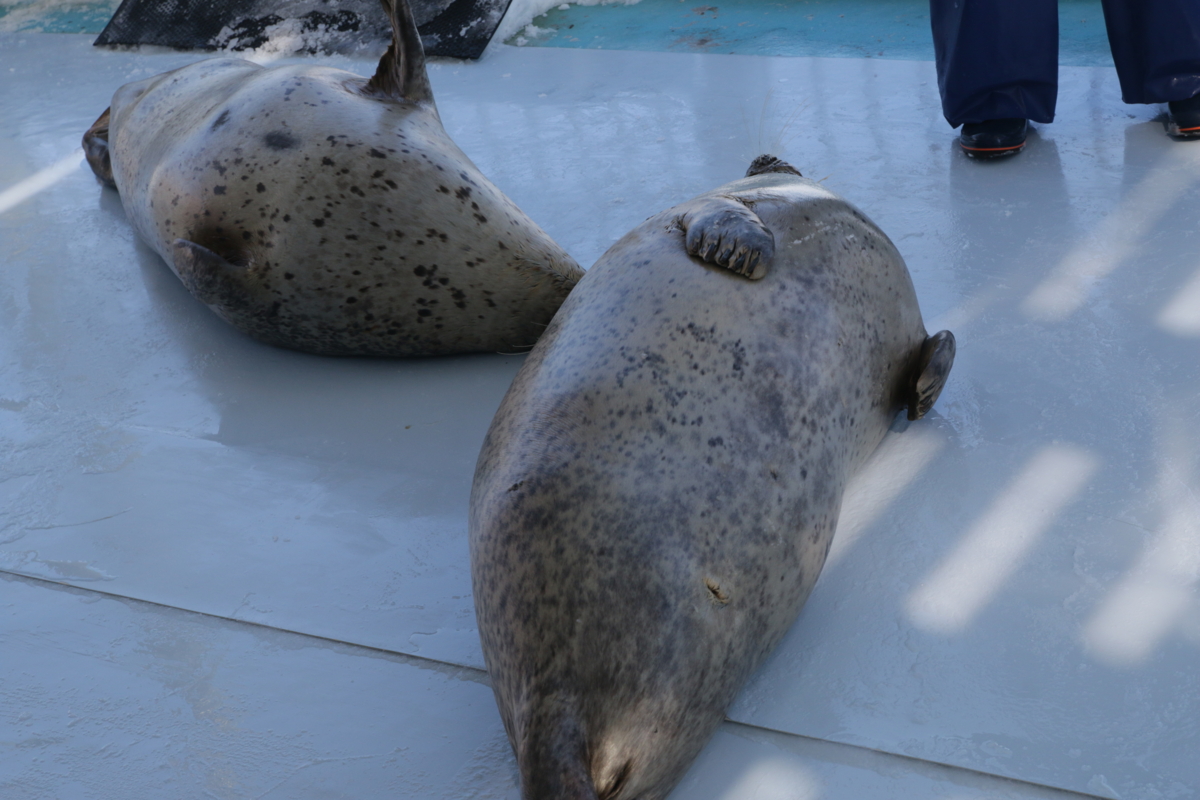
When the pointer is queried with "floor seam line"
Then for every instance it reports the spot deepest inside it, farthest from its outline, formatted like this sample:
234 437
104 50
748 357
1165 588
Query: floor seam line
485 678
373 648
916 760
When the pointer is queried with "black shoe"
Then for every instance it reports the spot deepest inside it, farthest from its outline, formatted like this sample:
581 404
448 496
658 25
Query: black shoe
1185 118
993 138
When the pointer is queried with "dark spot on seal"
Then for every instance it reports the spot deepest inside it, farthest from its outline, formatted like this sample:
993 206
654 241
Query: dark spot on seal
280 140
716 441
516 486
464 193
287 276
221 120
420 271
351 299
376 154
424 312
318 222
443 190
261 188
482 219
218 190
287 217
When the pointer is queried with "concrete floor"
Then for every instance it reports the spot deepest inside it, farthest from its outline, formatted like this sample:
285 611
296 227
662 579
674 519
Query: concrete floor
232 571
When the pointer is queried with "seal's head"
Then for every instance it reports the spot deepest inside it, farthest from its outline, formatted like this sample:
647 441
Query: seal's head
768 163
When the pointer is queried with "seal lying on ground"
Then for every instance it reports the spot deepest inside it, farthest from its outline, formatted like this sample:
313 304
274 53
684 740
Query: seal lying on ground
660 486
318 210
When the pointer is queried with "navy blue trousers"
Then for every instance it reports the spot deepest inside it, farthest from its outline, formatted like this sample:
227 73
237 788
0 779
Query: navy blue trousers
999 58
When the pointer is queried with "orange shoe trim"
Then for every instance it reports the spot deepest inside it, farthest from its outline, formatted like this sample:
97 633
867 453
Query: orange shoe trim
994 149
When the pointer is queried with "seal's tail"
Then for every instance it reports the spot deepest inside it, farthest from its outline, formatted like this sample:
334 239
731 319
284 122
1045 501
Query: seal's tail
929 377
95 149
401 72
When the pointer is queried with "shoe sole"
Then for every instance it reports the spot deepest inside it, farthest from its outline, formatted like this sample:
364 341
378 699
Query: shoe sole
995 152
1173 129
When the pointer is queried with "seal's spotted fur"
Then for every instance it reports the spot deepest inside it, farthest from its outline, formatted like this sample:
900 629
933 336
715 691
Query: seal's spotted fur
317 210
660 486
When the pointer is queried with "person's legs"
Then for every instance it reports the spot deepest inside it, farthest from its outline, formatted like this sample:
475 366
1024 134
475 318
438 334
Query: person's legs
1156 47
997 58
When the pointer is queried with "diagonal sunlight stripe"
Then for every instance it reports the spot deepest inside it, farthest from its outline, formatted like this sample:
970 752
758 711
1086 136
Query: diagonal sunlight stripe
775 778
1157 593
39 181
1181 316
1114 239
900 459
993 548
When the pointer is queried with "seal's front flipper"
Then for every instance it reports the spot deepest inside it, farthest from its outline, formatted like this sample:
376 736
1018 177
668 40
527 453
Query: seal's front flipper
723 231
401 72
95 149
933 367
211 279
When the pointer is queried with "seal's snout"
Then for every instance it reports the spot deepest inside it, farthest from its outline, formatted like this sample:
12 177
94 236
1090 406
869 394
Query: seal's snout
768 163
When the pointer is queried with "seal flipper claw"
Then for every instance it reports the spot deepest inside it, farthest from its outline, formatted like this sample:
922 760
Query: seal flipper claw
723 231
95 149
933 367
211 279
401 72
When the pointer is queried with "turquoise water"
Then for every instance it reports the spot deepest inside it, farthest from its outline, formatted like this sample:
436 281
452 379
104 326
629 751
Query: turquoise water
49 16
895 29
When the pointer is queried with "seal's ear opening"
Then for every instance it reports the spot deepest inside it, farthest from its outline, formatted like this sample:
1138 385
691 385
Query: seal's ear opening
768 163
95 149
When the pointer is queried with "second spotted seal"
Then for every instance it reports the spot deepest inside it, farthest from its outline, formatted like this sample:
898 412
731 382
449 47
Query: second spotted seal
321 211
659 489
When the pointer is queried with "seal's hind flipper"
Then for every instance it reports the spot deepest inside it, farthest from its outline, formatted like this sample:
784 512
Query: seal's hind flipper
211 279
95 149
723 231
401 72
933 367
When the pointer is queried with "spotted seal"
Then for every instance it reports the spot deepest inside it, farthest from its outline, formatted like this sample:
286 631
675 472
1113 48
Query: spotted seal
322 211
660 486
